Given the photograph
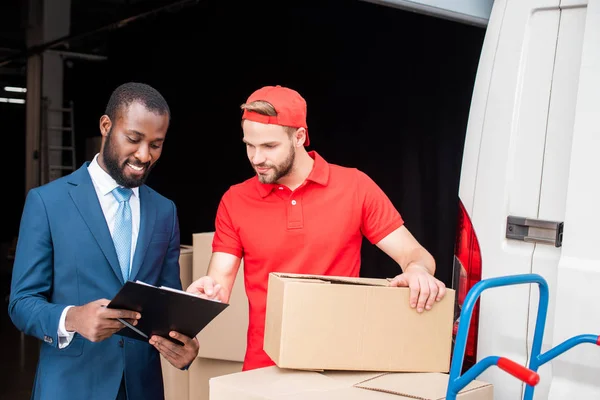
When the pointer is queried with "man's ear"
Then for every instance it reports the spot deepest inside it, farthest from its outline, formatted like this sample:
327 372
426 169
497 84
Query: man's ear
105 125
300 137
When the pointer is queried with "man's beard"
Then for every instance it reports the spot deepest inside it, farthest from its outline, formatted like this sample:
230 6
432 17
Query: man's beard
278 171
111 161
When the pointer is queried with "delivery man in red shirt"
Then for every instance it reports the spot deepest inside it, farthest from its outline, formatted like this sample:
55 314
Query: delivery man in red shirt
300 214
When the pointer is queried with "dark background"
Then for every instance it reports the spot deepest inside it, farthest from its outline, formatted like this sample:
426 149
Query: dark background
388 92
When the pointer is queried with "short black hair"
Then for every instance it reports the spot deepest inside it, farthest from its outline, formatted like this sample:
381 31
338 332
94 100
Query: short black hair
130 92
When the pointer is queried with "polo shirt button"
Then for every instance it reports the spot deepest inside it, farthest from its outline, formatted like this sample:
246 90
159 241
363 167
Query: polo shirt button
280 187
293 202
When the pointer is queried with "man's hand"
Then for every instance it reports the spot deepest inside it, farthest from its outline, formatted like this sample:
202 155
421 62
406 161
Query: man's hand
425 289
207 287
95 322
178 355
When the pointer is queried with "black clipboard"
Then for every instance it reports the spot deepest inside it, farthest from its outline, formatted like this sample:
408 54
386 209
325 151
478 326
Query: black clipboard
163 310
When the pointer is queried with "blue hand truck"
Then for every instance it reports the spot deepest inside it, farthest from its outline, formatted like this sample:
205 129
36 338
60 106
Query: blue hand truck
528 375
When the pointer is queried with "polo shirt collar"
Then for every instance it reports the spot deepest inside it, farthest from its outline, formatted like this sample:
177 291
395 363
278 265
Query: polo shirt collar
319 175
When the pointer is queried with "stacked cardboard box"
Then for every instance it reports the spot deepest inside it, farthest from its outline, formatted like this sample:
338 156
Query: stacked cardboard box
331 338
222 342
273 383
176 380
352 339
354 324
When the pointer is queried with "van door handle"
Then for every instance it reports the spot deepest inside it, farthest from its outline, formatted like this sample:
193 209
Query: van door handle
534 230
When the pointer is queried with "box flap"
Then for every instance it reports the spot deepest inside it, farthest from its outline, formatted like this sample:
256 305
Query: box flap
334 279
422 386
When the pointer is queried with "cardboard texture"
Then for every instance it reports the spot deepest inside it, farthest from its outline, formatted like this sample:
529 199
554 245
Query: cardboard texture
225 337
175 380
186 257
201 371
273 383
337 323
193 383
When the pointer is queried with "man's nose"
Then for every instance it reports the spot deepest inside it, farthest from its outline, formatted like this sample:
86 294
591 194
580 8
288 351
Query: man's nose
143 154
258 158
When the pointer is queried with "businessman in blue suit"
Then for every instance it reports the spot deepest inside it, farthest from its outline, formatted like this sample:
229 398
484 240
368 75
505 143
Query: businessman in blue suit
81 237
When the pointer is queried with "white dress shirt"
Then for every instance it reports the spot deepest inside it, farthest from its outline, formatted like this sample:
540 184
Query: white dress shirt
104 185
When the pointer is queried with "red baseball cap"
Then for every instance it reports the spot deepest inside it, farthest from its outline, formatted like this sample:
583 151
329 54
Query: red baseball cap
289 105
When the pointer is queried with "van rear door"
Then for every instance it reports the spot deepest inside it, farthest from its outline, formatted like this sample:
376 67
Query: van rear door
577 294
516 164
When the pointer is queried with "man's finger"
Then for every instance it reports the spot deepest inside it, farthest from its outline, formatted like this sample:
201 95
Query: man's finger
423 293
103 302
112 324
166 347
123 314
131 321
399 281
189 351
216 290
181 337
433 292
208 287
442 291
166 352
415 288
195 346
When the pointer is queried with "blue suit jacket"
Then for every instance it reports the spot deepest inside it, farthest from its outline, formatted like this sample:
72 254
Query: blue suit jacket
65 256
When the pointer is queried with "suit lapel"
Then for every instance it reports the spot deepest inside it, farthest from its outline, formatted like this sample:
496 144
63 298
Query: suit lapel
147 221
85 199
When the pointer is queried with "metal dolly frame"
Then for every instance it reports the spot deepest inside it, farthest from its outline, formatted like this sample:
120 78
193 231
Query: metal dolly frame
528 375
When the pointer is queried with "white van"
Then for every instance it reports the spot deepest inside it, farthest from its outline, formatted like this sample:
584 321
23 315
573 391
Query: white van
530 190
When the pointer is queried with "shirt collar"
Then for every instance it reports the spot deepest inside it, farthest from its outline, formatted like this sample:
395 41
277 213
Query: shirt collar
319 174
103 180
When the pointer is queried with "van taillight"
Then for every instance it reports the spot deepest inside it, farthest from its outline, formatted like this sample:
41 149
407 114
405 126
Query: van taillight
467 272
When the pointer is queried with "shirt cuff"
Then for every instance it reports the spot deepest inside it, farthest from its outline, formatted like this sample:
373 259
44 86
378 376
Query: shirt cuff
64 336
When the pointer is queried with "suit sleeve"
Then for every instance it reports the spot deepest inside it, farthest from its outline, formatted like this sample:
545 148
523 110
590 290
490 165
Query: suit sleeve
170 270
31 287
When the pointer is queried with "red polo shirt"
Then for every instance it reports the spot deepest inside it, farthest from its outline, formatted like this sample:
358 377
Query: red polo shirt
315 229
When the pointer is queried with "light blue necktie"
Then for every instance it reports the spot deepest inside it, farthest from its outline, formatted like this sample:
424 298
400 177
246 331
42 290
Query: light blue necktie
122 229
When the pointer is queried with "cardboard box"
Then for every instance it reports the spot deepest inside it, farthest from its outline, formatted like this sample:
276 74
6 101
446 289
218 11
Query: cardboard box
225 337
273 383
186 264
193 384
337 323
176 381
201 371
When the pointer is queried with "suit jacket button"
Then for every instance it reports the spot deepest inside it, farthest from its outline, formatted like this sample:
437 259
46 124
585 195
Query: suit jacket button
121 343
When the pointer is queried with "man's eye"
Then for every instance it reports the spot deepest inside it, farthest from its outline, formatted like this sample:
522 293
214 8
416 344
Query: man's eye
131 140
155 146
